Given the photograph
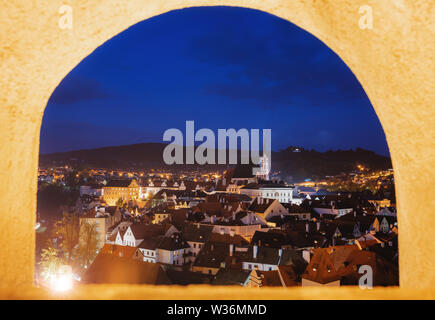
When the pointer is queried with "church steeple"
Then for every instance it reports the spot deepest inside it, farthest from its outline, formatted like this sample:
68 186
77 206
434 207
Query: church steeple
264 171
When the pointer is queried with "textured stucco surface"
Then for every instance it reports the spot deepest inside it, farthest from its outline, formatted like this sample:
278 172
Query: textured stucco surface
393 61
135 292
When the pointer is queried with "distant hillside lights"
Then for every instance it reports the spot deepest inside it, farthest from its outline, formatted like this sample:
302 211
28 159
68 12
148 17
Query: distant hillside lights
205 153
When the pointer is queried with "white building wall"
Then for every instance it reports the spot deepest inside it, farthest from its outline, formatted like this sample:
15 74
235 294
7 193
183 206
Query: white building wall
149 255
259 266
195 247
332 211
130 240
171 257
119 240
283 195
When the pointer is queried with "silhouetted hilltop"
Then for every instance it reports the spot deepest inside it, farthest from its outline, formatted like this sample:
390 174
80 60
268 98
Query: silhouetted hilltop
134 155
297 163
315 164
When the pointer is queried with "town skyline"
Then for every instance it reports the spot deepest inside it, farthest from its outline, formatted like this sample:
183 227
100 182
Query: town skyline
196 144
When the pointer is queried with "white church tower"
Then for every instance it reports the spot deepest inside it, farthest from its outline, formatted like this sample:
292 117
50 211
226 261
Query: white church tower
264 171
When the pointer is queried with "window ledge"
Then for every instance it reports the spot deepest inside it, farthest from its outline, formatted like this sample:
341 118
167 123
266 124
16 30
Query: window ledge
204 292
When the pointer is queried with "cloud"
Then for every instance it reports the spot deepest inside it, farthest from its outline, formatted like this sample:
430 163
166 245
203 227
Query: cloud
76 89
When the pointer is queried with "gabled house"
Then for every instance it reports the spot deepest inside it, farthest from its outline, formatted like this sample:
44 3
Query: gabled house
383 224
248 218
196 236
386 212
269 259
119 237
283 276
267 208
211 258
147 250
258 278
172 250
137 232
261 258
169 250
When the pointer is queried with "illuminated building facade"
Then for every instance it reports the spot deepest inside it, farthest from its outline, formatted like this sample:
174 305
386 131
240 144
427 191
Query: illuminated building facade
121 189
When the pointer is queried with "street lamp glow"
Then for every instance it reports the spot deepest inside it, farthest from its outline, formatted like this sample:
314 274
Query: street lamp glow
63 280
62 283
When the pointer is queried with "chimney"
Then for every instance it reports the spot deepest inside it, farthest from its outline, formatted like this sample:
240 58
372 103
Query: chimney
254 251
280 253
231 249
307 227
232 233
318 225
222 231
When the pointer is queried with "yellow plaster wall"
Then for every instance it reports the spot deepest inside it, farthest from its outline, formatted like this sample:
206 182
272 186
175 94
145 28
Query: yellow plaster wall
393 61
135 292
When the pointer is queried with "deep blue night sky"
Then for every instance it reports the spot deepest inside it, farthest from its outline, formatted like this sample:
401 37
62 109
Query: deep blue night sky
222 67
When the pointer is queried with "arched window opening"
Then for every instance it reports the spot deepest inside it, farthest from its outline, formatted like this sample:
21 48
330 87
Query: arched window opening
111 183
